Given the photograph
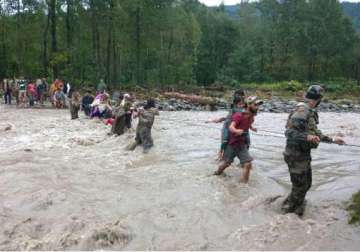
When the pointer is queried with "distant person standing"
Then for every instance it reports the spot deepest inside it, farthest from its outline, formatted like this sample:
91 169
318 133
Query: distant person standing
101 87
15 90
7 91
41 86
22 83
31 93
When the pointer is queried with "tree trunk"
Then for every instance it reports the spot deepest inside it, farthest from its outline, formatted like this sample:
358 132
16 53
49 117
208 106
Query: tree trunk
45 45
69 28
95 39
110 46
311 64
3 54
69 25
357 73
161 61
138 44
19 36
115 64
54 49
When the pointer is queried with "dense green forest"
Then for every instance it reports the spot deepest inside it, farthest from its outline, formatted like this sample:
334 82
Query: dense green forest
177 42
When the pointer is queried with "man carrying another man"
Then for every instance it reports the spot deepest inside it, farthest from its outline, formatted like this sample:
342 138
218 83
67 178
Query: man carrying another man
237 146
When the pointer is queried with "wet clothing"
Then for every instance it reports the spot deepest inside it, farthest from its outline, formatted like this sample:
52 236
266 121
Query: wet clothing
75 105
74 110
241 152
143 130
301 180
237 145
225 132
118 126
86 102
128 114
301 122
243 120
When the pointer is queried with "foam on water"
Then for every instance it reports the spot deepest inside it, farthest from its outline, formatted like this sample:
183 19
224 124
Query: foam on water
68 185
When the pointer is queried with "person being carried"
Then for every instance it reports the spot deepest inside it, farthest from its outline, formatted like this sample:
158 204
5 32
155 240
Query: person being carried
238 105
101 107
143 130
302 135
75 105
241 122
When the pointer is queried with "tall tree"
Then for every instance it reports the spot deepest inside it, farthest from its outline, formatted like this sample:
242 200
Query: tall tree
53 31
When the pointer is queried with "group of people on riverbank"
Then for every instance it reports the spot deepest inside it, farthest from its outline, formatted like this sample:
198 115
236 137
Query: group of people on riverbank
29 92
25 92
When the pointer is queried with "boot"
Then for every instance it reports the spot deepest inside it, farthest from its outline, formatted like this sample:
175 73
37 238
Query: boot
300 209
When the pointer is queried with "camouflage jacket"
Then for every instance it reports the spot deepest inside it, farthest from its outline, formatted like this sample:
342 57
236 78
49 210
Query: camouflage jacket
303 121
147 117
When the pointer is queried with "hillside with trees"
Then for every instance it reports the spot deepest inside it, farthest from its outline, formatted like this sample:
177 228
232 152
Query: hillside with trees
178 42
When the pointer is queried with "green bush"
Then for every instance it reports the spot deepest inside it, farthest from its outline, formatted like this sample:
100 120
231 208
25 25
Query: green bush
354 209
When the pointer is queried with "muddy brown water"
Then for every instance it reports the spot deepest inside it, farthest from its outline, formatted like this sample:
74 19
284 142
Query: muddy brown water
68 185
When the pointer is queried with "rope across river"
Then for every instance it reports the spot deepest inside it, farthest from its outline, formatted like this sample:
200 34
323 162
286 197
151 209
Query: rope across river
263 132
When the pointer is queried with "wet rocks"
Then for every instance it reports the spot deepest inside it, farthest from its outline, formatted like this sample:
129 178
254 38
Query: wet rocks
7 127
275 105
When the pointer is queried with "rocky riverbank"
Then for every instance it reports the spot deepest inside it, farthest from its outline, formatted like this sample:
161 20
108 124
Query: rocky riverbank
275 105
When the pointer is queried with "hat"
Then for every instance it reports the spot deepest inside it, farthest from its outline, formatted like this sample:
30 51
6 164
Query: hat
314 92
254 99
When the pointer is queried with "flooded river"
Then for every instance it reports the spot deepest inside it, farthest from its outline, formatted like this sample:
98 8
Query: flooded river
68 185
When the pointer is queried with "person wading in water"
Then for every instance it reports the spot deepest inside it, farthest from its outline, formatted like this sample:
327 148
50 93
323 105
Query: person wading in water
143 130
241 122
302 135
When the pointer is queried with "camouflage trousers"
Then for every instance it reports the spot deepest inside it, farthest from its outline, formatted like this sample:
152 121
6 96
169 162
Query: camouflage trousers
118 126
301 180
74 110
143 137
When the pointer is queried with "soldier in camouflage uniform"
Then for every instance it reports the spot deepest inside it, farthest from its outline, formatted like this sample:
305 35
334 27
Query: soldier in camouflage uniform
143 130
75 103
302 135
